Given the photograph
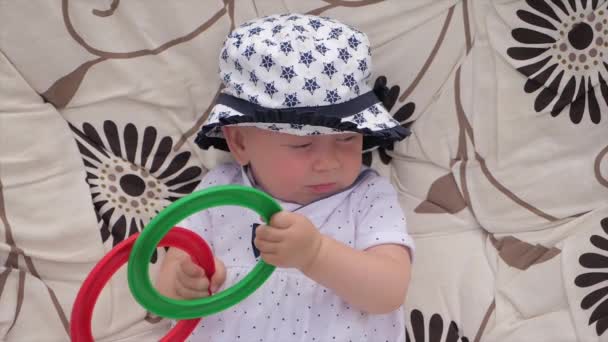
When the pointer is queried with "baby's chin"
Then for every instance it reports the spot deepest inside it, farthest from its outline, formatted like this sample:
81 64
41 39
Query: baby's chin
294 199
307 198
306 195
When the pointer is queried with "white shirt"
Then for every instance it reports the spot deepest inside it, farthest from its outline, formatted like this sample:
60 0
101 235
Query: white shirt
289 306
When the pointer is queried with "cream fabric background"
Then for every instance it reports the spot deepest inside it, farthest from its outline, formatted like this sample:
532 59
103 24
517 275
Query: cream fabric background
508 204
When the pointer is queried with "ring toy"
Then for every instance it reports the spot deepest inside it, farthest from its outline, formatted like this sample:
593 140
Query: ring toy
82 311
138 276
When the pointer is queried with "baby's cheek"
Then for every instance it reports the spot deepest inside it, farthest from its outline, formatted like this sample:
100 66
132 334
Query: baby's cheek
279 179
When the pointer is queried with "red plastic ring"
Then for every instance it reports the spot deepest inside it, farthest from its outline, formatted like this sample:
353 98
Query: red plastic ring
82 311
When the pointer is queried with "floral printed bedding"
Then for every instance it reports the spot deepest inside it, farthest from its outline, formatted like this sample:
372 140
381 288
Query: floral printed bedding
504 180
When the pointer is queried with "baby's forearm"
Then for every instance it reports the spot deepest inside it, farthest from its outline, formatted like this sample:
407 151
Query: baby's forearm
373 281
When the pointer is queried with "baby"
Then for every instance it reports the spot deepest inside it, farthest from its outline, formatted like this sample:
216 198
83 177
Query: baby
296 114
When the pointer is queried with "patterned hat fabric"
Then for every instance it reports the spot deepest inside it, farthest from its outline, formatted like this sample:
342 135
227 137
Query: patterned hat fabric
302 75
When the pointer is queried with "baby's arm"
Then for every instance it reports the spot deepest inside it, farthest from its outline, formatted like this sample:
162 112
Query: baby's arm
181 278
374 280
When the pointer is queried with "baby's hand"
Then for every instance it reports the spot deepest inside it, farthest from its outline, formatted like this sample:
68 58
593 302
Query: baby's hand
190 281
290 240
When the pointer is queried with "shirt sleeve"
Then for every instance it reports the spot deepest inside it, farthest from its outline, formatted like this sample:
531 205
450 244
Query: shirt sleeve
380 219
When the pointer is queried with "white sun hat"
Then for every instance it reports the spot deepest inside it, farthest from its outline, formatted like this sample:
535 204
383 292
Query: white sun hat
302 75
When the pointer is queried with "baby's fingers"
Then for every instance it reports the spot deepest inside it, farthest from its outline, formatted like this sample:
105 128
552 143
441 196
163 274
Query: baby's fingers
189 268
188 293
268 234
265 247
218 277
191 278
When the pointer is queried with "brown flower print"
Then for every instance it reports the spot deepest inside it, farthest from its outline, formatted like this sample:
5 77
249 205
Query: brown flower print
596 280
133 174
565 47
388 97
434 332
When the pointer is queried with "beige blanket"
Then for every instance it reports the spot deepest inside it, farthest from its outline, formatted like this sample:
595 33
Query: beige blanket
504 180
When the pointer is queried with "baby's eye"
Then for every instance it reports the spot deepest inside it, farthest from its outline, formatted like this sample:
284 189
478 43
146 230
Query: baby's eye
348 138
300 146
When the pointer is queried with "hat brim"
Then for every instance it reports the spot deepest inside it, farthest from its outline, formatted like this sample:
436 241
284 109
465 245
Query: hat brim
373 122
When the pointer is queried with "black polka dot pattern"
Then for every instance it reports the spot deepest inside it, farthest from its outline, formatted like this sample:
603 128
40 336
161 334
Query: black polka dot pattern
289 306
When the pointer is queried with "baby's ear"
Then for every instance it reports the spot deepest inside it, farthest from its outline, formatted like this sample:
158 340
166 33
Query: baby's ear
235 138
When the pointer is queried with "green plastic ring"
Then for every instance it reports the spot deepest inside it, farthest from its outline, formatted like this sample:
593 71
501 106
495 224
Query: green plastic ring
139 280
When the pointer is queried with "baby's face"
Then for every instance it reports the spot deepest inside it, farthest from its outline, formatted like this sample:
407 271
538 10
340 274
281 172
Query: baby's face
302 169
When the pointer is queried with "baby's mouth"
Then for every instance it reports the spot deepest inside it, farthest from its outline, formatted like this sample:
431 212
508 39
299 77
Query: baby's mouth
322 188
